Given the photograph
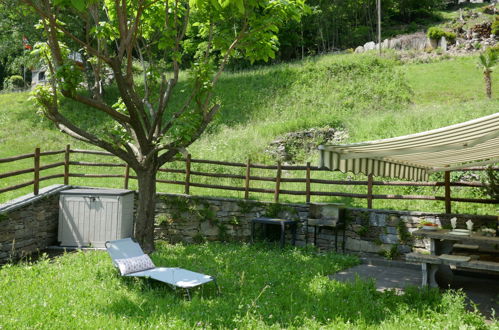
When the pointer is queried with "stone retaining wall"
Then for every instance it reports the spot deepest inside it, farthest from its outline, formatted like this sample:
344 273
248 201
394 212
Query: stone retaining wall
28 225
182 218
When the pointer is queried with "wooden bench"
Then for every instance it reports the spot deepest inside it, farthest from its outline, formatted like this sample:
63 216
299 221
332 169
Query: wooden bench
430 264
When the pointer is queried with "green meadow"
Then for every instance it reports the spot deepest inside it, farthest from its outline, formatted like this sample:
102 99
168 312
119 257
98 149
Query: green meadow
366 96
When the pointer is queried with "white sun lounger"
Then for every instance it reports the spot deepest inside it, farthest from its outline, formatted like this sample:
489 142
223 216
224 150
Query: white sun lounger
173 276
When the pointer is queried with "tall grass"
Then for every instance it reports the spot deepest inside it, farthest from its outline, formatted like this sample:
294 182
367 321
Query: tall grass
369 97
261 288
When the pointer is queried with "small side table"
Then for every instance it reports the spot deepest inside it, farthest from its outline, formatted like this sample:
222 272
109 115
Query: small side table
279 222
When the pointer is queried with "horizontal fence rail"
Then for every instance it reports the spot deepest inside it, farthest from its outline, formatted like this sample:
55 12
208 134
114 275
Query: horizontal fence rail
246 178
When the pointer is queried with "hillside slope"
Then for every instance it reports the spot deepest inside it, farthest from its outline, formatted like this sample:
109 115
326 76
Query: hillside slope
368 97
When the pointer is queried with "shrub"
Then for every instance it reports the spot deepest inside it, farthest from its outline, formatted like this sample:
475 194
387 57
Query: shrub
495 27
491 187
494 49
14 82
436 33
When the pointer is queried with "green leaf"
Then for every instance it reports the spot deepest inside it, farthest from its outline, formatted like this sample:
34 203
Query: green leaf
240 6
79 4
216 4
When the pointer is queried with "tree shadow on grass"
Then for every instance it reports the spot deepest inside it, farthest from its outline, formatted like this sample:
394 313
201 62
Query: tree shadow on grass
269 287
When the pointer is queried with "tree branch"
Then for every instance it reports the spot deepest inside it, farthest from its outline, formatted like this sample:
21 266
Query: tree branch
204 124
176 115
163 101
97 105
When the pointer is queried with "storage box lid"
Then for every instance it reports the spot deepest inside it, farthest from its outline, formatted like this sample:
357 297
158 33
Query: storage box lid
111 192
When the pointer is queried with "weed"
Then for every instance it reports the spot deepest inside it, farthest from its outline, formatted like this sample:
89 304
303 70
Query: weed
246 206
363 231
198 238
222 232
403 233
162 219
207 214
235 221
276 210
392 253
4 217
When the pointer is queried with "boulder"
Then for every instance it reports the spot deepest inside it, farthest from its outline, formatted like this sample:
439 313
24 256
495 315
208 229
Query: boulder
386 44
442 43
371 45
359 50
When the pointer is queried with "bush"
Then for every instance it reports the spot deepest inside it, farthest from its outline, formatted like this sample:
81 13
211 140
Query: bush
495 27
436 33
14 82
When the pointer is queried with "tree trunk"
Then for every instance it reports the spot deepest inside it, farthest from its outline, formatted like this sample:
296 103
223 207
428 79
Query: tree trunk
488 83
144 223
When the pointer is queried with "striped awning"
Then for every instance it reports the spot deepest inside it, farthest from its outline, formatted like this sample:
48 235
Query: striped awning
415 156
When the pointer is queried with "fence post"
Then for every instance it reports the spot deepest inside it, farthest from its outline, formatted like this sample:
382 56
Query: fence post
277 183
247 179
370 191
66 164
127 176
307 182
187 173
36 181
448 208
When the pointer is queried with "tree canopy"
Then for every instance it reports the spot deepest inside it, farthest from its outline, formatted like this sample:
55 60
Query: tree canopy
112 36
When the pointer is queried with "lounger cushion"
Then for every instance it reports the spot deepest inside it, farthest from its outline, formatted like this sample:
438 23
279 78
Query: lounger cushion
134 264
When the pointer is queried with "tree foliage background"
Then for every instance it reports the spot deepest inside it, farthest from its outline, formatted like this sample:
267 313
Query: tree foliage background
329 25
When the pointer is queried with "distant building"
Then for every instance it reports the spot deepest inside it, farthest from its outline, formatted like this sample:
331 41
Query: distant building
39 75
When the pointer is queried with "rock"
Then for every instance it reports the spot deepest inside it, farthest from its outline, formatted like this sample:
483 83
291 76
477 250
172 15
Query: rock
404 249
371 45
359 50
389 239
286 148
395 44
433 43
392 230
411 230
393 220
208 230
377 219
365 246
443 44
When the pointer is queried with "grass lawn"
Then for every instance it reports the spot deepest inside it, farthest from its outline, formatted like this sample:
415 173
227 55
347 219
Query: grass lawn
262 287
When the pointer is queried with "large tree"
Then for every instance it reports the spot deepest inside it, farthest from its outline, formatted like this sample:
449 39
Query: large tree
149 130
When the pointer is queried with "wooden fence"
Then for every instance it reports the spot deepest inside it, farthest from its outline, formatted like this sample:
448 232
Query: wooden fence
246 180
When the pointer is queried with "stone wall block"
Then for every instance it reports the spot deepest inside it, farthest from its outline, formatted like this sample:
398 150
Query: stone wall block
389 239
392 230
410 219
393 220
411 230
208 229
365 246
404 248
